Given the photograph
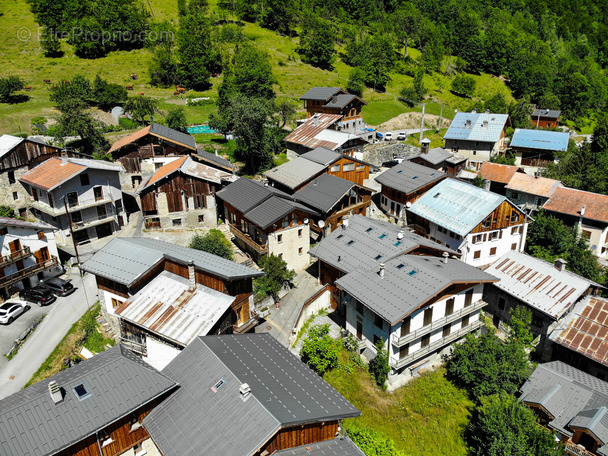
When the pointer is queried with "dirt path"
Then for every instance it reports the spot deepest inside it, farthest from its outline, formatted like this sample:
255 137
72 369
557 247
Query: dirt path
411 120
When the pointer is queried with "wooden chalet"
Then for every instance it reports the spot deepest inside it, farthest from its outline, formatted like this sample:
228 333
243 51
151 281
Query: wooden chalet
440 159
545 118
152 142
333 100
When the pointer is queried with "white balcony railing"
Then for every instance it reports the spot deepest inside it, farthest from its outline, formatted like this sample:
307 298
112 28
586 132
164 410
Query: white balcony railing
73 206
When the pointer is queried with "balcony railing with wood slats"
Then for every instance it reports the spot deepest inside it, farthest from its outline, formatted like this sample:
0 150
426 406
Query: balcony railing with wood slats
25 252
261 249
573 449
29 271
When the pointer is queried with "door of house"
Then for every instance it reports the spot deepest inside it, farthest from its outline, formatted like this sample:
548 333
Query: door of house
428 316
359 329
15 247
19 265
42 255
98 193
72 199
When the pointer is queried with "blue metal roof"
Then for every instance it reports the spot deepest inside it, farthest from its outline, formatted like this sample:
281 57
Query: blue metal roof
472 126
540 139
456 205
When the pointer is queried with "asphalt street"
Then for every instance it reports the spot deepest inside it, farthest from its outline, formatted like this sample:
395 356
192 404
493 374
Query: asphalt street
60 316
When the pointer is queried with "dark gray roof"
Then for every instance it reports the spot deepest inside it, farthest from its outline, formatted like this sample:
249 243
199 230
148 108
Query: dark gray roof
336 447
284 391
340 101
324 192
214 159
408 177
409 282
295 172
363 243
173 135
322 156
572 397
436 155
125 260
549 113
320 93
7 221
272 210
119 383
245 194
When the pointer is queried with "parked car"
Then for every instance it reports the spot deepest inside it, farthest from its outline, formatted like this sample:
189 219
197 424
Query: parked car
401 136
39 295
379 135
11 309
393 162
60 287
388 136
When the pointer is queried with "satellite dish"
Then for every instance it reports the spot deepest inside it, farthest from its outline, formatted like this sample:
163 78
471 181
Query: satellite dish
408 204
345 223
321 224
305 221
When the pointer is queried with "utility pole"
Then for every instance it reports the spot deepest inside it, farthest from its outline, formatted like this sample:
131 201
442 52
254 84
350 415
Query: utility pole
440 118
67 213
422 122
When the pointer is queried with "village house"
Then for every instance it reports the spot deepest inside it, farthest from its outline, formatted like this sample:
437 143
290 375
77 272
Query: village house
213 160
537 148
545 118
403 184
581 339
143 152
182 194
571 403
17 157
266 221
28 254
440 159
417 305
496 176
214 387
163 295
548 291
481 225
340 165
586 211
530 193
334 100
79 197
477 137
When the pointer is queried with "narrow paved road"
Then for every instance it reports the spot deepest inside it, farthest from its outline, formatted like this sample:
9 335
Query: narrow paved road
62 315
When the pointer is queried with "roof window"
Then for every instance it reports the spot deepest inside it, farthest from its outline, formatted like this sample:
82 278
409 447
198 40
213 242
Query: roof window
369 229
400 171
400 266
221 382
377 257
412 272
81 392
382 236
397 244
436 195
340 236
351 242
414 177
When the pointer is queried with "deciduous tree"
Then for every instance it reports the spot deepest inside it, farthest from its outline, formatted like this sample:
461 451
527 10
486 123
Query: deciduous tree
276 275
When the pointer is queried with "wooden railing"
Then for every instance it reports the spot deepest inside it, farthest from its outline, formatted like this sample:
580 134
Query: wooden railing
241 329
573 449
27 272
15 256
260 249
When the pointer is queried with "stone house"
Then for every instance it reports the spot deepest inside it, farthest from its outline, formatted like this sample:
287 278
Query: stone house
182 194
497 176
531 192
79 197
535 149
440 159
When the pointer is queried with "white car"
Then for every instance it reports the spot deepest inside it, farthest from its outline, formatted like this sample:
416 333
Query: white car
388 136
11 309
401 136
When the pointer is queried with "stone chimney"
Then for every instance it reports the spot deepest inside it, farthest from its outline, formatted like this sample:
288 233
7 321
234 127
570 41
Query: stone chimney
191 275
560 264
425 144
381 271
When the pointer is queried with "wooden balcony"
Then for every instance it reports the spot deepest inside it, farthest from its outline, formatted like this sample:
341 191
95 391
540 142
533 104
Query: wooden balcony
246 239
29 271
245 327
575 450
136 347
25 252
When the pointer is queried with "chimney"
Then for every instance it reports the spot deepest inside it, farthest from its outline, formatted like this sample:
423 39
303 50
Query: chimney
64 157
216 152
445 257
583 210
334 99
381 271
486 184
474 111
485 124
245 391
191 275
424 146
400 235
315 120
468 124
536 174
55 392
560 264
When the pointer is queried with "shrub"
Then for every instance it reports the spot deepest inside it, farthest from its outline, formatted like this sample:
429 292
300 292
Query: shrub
373 443
378 366
213 242
319 350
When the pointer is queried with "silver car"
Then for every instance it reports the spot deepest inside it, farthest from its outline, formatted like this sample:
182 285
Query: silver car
11 309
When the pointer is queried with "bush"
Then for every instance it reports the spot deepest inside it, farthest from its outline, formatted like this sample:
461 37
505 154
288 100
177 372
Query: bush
127 124
319 350
464 85
378 366
276 276
373 443
213 242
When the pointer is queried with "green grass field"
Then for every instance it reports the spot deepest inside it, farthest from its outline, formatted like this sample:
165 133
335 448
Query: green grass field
427 406
21 55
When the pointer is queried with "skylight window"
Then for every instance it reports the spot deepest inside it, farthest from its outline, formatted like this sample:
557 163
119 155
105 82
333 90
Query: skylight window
368 230
377 257
221 382
412 272
340 236
400 171
397 244
400 266
351 242
382 236
81 391
436 195
414 177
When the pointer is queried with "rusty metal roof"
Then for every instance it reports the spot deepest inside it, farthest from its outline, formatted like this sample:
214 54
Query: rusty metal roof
570 201
539 283
129 139
585 330
539 186
497 173
306 133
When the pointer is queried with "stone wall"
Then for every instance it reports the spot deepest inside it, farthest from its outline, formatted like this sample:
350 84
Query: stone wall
378 153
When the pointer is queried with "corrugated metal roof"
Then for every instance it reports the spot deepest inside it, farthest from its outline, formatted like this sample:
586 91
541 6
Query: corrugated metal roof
409 282
322 156
167 307
305 134
196 420
471 126
119 383
568 394
129 139
363 243
456 205
498 173
8 143
539 186
570 201
295 172
546 113
540 139
324 192
585 329
188 166
539 283
321 93
407 177
336 447
160 131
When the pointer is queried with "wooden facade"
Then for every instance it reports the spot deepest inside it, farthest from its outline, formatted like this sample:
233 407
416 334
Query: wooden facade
149 146
349 112
293 436
402 197
503 216
31 154
178 188
349 169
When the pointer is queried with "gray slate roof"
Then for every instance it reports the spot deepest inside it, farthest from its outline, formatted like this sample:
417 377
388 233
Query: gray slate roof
119 383
409 282
295 172
438 155
322 156
245 194
284 391
407 177
125 260
365 242
214 159
336 447
340 101
572 397
324 192
320 93
274 209
169 133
